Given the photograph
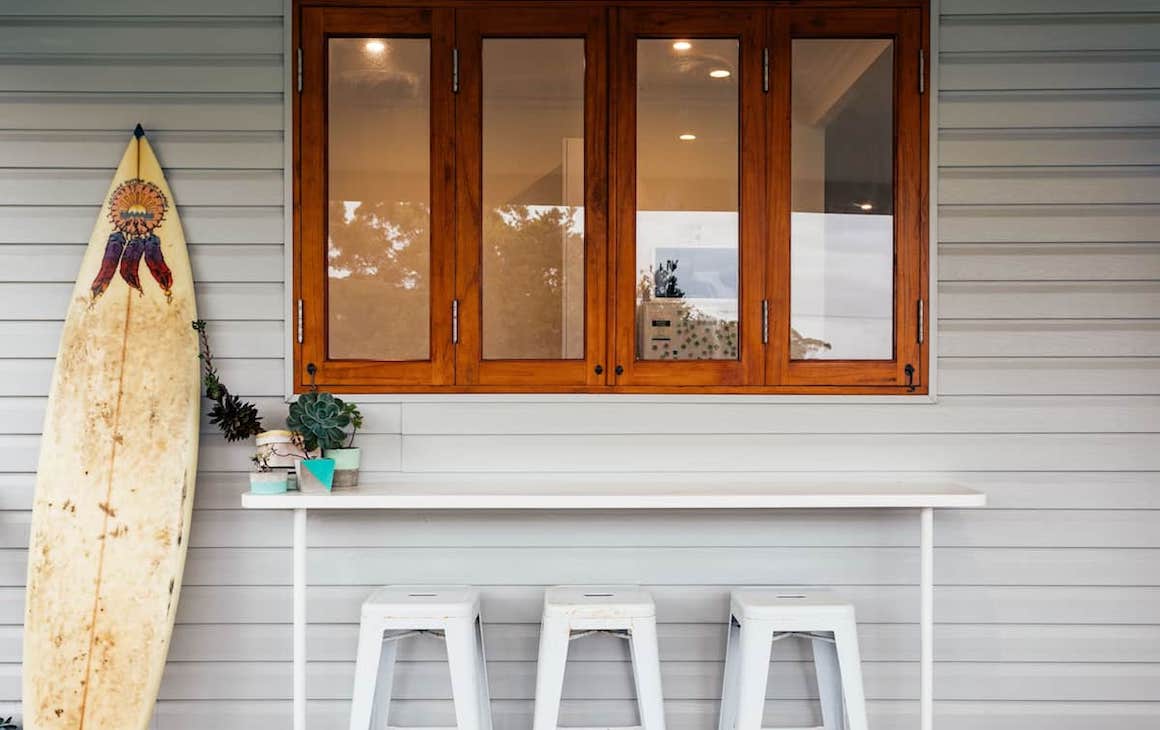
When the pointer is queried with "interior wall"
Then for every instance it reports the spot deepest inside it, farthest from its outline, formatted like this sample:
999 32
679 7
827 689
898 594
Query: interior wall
1049 386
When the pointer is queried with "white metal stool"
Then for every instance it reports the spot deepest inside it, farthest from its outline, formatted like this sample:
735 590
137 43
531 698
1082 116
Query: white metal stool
396 612
760 617
627 613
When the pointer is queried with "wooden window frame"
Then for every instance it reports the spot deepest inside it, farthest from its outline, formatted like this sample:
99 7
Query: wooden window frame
609 364
319 24
473 26
745 25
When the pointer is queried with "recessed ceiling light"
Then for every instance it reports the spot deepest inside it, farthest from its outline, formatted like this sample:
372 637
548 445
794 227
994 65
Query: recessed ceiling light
720 73
682 46
686 137
866 206
375 46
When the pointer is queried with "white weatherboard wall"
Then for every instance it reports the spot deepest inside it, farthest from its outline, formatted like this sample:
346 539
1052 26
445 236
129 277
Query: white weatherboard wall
1048 608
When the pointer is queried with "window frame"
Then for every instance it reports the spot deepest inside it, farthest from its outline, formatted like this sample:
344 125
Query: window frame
610 317
473 26
321 24
744 24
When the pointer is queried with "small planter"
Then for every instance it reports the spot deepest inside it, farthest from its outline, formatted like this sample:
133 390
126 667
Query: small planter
346 464
279 449
315 475
268 482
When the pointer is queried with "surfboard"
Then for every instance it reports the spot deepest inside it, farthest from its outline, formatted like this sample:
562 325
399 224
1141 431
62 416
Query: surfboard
118 456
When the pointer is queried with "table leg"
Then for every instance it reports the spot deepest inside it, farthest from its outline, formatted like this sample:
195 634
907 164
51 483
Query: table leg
299 598
926 621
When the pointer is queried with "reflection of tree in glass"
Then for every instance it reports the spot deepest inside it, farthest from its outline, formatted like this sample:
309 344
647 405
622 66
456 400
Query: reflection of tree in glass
379 264
802 348
666 281
524 278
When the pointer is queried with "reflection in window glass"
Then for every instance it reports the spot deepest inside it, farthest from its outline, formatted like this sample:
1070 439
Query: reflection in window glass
842 220
687 199
379 200
533 198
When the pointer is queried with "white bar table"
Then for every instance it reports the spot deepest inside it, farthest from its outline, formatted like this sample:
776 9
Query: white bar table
600 492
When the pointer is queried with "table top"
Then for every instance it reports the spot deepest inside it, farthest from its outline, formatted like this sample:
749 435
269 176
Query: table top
614 493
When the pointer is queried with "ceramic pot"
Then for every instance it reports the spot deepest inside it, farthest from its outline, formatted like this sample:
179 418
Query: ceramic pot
346 464
268 482
315 475
279 449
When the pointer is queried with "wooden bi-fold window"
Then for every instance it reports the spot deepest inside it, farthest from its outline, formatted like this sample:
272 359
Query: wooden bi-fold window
611 197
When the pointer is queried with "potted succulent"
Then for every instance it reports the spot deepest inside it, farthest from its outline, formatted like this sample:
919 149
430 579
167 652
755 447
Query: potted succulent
323 420
267 479
8 723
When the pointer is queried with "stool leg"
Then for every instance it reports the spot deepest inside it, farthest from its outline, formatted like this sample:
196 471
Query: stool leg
481 675
370 647
850 664
554 633
829 684
646 670
463 661
756 645
728 717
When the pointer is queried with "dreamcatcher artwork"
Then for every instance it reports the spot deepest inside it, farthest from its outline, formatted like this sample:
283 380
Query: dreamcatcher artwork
136 209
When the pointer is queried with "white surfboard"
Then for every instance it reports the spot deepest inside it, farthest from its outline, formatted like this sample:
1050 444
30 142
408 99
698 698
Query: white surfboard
114 488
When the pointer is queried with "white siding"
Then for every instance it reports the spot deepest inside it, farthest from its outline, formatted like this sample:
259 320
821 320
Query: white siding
1048 608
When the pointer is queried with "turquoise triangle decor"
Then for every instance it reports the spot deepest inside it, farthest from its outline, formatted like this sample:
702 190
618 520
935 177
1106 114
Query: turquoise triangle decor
321 469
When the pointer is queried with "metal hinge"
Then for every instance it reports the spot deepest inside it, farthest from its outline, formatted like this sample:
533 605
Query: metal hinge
455 70
921 71
765 70
765 321
455 321
921 320
299 69
299 321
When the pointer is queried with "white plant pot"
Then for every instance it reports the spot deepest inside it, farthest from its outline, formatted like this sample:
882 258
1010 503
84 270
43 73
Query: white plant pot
268 482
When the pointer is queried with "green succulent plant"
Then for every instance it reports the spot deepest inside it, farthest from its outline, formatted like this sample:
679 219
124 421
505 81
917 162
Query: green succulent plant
322 420
8 723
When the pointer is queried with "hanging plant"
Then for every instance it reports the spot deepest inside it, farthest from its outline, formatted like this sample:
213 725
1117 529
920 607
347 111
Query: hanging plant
237 419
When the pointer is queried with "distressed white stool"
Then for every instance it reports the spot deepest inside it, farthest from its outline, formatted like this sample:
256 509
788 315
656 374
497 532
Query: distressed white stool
760 617
393 613
572 613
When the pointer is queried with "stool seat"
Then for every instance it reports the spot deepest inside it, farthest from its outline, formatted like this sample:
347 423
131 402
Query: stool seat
773 605
598 602
422 602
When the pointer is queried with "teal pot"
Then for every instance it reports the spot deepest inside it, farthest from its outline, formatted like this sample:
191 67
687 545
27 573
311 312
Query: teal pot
346 464
268 482
315 475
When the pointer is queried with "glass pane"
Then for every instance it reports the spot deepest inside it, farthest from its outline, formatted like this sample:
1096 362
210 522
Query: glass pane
842 224
379 199
533 198
687 199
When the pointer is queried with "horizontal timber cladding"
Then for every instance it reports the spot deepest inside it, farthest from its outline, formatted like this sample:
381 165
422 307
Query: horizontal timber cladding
1048 352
